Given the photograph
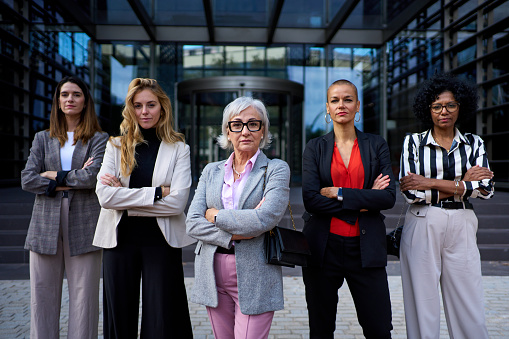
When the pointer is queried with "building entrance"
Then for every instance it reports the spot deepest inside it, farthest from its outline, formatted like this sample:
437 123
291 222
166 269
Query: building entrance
200 104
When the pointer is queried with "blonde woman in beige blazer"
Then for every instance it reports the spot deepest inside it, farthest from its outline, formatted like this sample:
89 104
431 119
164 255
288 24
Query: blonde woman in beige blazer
143 187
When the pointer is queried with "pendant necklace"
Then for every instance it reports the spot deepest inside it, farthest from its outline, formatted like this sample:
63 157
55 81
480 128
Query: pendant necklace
233 166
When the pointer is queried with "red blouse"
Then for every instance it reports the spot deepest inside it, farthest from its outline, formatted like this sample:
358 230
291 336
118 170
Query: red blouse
351 177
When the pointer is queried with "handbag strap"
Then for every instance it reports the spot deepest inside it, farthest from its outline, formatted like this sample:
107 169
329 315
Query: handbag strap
401 214
289 206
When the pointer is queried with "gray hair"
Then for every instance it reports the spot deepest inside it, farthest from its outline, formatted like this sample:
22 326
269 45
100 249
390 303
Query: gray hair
233 109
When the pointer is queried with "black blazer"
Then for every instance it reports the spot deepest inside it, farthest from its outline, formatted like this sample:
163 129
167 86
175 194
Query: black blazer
319 209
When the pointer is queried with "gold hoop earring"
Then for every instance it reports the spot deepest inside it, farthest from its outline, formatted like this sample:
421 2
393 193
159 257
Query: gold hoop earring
358 120
327 122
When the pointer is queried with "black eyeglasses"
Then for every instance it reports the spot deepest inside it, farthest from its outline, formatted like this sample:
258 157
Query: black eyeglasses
451 107
252 125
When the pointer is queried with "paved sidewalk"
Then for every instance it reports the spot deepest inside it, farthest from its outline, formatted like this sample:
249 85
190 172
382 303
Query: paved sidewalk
288 323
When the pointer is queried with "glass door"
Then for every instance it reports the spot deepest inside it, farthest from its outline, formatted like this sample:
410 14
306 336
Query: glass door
200 108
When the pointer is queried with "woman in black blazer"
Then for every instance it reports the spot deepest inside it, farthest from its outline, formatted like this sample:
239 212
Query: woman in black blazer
347 179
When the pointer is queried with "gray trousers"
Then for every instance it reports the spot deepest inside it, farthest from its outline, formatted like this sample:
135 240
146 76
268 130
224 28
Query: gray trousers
46 277
439 249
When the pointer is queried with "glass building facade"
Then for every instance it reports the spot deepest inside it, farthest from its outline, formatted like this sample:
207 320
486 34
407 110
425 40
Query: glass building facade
386 48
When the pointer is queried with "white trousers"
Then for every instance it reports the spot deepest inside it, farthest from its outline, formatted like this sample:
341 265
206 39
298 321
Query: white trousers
46 277
439 248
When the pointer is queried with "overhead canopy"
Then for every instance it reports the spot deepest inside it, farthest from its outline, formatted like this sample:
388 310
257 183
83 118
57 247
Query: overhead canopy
263 22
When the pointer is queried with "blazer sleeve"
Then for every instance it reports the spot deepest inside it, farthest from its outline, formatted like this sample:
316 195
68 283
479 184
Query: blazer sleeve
86 178
197 226
31 180
120 198
254 222
175 202
374 199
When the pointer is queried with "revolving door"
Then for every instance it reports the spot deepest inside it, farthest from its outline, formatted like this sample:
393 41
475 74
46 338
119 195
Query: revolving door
199 114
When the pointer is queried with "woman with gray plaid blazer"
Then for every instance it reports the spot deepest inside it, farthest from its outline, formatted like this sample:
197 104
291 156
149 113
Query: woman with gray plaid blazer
61 171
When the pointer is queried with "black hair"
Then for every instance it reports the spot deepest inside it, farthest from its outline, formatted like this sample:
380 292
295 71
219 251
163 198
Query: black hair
464 92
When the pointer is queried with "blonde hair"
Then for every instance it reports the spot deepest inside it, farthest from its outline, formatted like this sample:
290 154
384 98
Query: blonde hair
233 109
130 133
88 124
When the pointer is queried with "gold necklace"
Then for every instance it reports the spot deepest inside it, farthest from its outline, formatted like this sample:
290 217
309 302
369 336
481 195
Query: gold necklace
436 140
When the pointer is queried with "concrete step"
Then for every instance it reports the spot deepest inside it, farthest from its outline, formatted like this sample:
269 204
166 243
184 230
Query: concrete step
494 252
17 208
13 255
15 222
13 238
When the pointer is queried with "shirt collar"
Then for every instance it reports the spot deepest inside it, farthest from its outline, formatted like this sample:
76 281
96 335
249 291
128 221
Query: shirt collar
228 164
458 138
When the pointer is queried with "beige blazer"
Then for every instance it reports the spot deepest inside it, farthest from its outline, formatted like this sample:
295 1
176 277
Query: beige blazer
172 168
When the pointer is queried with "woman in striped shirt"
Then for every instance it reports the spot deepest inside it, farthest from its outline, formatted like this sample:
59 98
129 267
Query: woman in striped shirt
441 169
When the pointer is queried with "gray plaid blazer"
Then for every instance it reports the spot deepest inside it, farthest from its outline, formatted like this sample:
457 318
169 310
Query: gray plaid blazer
260 285
83 204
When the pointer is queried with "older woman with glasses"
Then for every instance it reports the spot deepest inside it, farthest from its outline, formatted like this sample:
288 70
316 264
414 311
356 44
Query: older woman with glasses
236 202
441 168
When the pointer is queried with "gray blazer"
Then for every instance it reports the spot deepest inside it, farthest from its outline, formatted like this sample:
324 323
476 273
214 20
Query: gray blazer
83 204
260 285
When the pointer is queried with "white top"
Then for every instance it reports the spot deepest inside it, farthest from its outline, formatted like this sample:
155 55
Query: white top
66 152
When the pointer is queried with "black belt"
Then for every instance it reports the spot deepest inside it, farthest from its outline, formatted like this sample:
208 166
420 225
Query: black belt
65 194
454 205
223 250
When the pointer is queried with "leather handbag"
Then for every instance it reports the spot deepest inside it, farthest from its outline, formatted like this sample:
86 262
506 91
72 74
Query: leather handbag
394 240
394 237
284 246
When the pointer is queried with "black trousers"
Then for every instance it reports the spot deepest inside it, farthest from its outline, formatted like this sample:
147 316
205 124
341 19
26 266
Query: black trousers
368 286
143 253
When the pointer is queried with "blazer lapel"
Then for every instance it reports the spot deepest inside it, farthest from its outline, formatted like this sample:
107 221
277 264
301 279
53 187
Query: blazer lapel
55 154
217 185
162 165
78 156
255 177
364 149
326 158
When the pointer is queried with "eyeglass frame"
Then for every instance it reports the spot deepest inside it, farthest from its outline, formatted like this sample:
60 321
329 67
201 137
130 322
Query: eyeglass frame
442 108
244 124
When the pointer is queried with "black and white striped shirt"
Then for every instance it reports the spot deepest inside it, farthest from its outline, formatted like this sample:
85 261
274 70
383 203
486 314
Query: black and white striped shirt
422 155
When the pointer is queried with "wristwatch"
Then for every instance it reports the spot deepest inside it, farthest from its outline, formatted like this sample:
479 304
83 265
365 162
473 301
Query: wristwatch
340 194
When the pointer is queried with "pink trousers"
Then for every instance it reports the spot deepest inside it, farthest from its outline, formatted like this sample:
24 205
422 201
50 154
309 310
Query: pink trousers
227 320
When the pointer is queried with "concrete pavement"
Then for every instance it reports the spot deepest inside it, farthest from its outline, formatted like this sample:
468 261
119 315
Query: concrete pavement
289 323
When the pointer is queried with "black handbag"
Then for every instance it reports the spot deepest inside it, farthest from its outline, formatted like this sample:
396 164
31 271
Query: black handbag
284 246
394 240
394 237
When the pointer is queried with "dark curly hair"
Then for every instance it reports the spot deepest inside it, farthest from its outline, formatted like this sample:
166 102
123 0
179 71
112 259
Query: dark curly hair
464 92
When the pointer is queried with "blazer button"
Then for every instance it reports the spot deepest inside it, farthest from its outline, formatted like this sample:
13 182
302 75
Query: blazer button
417 213
363 231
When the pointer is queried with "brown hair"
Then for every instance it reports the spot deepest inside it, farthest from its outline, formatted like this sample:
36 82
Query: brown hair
88 124
130 130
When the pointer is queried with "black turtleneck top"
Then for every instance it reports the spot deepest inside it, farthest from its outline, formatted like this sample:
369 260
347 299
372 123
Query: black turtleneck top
142 230
146 154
